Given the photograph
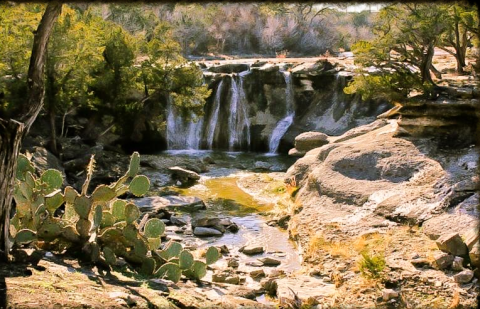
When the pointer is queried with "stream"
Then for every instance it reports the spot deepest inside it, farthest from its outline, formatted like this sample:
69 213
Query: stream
224 198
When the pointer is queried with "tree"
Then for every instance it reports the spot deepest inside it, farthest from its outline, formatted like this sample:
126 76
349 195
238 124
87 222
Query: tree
402 53
75 47
462 23
12 130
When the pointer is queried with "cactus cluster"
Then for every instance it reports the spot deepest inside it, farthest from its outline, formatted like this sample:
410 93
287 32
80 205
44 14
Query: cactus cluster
100 225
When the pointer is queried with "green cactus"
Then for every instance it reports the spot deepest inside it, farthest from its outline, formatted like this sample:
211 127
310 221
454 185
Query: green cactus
25 236
103 193
83 227
154 228
131 213
53 179
101 224
172 250
118 210
197 271
23 166
54 200
107 219
109 256
134 165
212 255
185 260
148 266
169 271
83 206
139 185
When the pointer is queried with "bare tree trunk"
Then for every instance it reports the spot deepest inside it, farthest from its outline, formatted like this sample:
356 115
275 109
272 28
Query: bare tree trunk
12 131
426 65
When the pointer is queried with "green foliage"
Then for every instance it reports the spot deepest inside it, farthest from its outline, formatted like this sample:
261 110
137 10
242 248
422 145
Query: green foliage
371 266
100 226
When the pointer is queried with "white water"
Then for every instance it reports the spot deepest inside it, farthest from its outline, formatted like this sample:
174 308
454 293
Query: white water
238 122
214 118
283 125
182 133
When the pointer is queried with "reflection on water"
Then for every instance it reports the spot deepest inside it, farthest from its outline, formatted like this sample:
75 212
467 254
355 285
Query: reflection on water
225 199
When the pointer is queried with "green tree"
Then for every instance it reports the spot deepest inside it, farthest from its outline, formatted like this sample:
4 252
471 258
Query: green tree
462 21
74 49
18 22
402 53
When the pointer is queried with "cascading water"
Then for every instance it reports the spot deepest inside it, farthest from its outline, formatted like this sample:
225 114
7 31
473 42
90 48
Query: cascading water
283 125
182 133
214 117
238 122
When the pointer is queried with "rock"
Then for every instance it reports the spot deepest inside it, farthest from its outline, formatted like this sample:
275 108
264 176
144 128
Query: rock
457 263
178 221
43 160
251 250
186 177
306 288
420 262
294 152
230 68
233 228
270 286
474 255
310 140
463 276
257 273
283 221
388 294
223 249
225 277
452 243
472 237
206 231
442 260
260 165
158 204
268 261
233 263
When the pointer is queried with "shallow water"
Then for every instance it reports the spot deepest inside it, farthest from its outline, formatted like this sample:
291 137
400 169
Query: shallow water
219 190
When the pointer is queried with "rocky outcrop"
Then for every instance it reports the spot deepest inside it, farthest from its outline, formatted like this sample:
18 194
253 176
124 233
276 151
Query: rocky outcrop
260 92
386 179
453 122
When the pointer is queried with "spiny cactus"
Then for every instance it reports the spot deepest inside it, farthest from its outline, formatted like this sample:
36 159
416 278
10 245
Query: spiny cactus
101 225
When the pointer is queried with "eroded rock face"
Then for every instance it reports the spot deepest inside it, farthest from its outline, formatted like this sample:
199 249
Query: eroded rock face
376 180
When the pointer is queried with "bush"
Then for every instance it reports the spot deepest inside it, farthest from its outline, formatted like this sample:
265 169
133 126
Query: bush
372 266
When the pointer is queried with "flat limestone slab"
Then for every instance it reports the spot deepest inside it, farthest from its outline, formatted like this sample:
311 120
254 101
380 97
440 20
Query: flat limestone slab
305 287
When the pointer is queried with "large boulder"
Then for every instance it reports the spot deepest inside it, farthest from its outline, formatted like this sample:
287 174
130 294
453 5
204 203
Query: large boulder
185 176
43 160
310 140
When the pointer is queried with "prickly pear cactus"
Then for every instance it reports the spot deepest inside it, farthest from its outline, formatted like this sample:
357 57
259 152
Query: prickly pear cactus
101 225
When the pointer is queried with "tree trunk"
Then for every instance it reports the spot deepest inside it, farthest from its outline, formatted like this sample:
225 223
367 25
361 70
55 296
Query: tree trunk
53 133
426 65
13 131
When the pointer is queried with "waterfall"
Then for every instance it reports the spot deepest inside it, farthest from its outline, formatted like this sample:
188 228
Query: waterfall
238 122
283 125
182 133
214 118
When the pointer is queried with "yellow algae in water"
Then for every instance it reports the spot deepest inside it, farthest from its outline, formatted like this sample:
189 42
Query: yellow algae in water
226 191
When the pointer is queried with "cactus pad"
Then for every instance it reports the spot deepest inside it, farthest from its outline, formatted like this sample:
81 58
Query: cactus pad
169 271
134 165
83 227
185 260
25 236
52 178
107 219
70 195
131 213
172 250
103 193
148 266
54 200
139 185
118 210
23 166
212 255
154 228
109 256
82 206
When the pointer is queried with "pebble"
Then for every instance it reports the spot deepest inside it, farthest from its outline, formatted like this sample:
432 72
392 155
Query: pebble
268 261
463 276
388 294
252 250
